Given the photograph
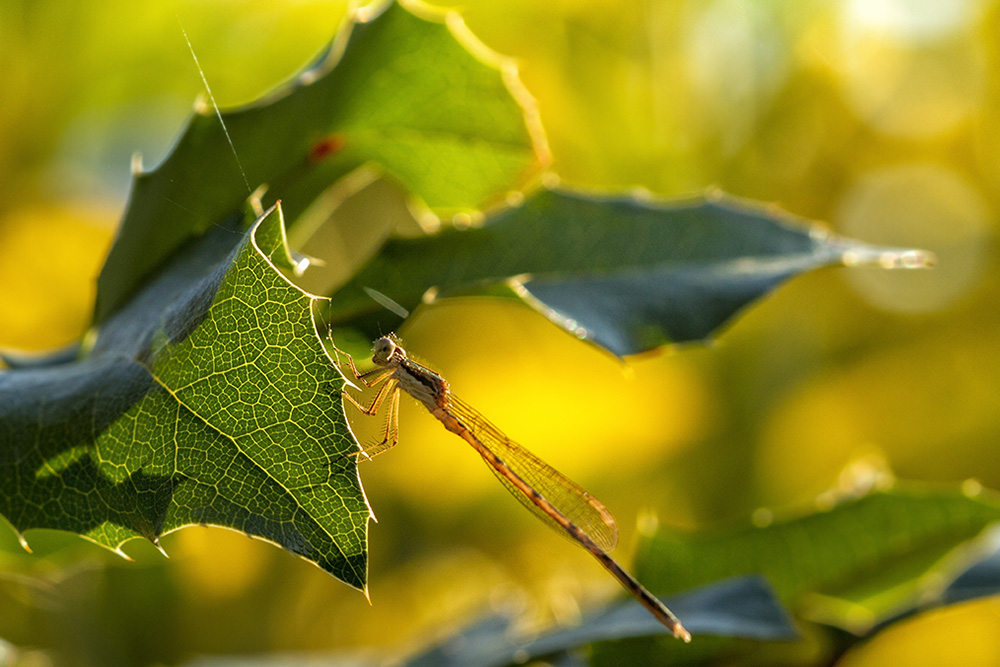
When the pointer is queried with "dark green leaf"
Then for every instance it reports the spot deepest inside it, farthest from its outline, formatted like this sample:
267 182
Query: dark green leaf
851 566
398 91
207 400
744 607
624 274
980 580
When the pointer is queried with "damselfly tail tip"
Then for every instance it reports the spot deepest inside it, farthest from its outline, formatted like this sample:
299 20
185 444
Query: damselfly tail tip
673 624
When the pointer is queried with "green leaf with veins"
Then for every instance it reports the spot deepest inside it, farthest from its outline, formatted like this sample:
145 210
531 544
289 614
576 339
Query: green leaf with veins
624 274
396 91
207 400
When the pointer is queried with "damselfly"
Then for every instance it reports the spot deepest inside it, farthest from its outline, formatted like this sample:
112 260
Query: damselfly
553 498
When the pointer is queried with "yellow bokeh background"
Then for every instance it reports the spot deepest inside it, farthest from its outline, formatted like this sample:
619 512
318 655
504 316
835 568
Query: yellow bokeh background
879 118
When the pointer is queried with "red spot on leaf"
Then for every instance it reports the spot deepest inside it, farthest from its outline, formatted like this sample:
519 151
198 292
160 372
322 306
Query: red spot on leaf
325 148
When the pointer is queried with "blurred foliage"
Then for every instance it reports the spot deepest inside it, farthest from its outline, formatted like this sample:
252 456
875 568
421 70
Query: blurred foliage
880 117
395 91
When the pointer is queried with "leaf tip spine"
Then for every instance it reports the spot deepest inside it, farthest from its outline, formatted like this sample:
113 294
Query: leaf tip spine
159 547
136 165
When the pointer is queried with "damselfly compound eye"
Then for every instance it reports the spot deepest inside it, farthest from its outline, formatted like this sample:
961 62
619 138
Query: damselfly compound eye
384 348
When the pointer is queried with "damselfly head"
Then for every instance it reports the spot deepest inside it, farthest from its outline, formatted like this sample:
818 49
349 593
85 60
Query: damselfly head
384 350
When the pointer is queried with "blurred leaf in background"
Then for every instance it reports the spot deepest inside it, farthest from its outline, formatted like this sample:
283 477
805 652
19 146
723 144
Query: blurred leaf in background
88 87
880 117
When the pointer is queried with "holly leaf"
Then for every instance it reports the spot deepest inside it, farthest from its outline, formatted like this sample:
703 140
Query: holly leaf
854 565
859 565
393 89
625 274
209 399
743 607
